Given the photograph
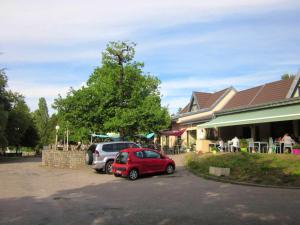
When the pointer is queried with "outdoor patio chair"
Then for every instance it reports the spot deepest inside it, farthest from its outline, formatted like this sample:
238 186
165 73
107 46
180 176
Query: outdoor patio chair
273 148
251 147
286 145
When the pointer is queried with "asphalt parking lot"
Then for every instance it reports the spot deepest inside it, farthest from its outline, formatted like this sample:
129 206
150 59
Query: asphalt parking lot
31 194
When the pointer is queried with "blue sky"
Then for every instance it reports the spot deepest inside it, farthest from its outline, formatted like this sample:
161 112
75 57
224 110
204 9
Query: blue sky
49 46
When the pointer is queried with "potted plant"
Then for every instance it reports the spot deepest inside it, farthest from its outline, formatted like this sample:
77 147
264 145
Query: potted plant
215 150
243 145
296 149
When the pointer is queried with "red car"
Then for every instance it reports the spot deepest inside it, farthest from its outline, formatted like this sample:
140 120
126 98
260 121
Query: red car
134 162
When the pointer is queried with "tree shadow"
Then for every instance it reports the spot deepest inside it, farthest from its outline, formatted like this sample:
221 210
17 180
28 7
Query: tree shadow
179 199
21 159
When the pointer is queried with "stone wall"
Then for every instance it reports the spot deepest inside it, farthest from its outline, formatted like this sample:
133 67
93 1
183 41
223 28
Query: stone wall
63 159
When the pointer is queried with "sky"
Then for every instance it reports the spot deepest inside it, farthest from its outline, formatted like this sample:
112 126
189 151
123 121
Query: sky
192 45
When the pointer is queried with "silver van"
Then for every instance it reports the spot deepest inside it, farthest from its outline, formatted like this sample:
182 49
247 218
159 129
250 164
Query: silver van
102 155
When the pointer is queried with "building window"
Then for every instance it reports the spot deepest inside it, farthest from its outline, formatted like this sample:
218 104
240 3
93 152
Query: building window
212 134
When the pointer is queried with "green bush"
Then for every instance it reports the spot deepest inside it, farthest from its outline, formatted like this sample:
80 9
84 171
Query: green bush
296 146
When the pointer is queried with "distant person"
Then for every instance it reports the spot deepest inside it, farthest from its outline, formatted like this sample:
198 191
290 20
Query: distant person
221 145
287 141
78 147
235 144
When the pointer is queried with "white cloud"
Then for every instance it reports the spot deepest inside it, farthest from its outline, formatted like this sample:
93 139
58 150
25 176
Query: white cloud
77 20
32 90
46 55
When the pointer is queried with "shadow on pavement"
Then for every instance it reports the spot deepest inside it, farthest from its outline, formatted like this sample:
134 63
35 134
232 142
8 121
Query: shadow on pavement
185 199
21 159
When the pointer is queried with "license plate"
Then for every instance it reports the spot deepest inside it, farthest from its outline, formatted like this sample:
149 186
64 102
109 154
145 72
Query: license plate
118 171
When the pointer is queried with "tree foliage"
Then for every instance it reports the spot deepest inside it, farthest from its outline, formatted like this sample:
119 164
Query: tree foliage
19 119
16 123
118 97
287 76
41 118
4 108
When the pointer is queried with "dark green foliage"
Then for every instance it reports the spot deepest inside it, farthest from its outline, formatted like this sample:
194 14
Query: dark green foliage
31 137
19 119
41 118
118 97
15 118
4 108
287 76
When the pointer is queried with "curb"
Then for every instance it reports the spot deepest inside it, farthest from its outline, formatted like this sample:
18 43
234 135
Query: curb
217 179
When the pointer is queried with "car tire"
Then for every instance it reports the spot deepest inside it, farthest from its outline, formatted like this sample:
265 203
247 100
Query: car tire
108 167
170 169
89 158
133 174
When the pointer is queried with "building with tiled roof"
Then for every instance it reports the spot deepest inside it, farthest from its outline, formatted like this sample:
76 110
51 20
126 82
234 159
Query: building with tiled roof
244 113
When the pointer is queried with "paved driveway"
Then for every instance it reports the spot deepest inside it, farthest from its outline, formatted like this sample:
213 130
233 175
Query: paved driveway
31 194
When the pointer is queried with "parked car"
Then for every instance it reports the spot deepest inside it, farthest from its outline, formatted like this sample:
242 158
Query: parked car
102 155
133 163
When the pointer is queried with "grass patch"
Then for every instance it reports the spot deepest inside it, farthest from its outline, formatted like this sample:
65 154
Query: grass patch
270 169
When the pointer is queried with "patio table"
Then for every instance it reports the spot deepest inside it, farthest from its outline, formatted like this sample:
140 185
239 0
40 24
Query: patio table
260 143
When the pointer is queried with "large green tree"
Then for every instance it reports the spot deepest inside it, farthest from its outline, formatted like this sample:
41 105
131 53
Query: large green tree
118 97
17 127
41 118
19 119
4 108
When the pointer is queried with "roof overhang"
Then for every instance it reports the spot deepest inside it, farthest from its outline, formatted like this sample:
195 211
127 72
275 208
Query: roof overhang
274 114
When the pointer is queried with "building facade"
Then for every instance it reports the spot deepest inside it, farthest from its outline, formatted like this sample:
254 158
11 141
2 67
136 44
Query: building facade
261 112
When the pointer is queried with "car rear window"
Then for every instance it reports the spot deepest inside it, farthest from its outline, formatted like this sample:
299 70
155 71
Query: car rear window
108 148
116 147
122 158
121 146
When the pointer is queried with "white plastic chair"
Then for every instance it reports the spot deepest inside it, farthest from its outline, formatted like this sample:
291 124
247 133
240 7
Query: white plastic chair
286 145
251 145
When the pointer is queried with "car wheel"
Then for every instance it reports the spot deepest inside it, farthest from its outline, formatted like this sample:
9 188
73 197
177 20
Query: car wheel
169 169
89 158
133 174
108 167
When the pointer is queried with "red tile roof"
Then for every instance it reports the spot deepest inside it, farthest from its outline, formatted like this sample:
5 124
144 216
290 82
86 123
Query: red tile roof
185 109
261 94
213 98
205 100
202 98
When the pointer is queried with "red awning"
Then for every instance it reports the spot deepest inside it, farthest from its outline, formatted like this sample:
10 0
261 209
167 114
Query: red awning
173 132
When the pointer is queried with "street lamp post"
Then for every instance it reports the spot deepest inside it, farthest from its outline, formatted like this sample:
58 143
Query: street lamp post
67 139
56 128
